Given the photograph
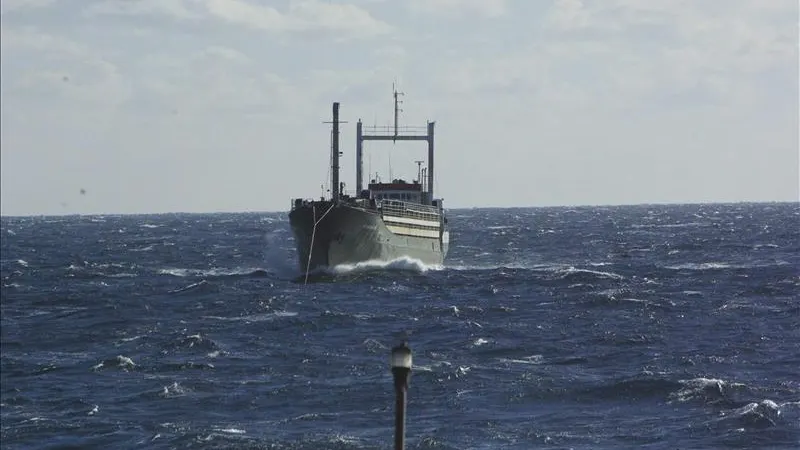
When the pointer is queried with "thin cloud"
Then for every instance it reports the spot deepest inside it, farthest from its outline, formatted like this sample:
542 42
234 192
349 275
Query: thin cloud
486 8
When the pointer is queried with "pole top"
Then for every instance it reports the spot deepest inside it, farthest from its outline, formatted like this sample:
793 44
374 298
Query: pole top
401 356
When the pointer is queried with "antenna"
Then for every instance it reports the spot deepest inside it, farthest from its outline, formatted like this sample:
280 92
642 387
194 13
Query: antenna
397 109
419 171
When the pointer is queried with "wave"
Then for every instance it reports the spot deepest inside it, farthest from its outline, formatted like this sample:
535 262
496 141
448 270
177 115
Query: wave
262 317
89 270
633 388
673 225
490 266
699 266
573 272
402 264
202 286
765 413
121 362
711 391
713 265
576 275
531 360
214 272
197 345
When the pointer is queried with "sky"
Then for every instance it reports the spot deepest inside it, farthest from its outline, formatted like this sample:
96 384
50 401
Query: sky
154 106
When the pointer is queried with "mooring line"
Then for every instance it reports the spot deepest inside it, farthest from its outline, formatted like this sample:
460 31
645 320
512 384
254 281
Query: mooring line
313 233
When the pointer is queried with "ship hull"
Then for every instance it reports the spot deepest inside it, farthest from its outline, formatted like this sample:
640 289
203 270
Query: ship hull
347 234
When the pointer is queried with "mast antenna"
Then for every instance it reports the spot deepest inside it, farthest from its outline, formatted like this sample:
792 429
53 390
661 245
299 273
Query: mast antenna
335 153
397 109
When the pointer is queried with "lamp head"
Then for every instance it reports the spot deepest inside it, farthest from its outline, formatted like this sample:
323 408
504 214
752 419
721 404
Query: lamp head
401 356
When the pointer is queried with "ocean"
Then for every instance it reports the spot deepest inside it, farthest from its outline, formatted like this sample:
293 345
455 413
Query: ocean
653 326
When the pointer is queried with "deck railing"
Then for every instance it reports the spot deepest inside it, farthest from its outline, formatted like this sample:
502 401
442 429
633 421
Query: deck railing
410 210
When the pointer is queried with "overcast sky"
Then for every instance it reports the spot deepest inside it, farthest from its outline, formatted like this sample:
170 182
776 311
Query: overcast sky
217 105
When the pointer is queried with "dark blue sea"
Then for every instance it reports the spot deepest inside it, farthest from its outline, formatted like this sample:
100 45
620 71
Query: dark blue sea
656 327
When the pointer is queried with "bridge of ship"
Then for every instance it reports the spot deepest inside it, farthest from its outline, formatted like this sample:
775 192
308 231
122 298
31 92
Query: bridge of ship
396 190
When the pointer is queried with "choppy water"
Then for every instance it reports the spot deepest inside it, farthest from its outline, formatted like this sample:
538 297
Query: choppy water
621 327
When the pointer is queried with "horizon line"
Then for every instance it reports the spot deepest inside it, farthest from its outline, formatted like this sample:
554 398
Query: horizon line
462 208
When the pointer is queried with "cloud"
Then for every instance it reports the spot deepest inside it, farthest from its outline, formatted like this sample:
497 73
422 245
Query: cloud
29 38
225 54
339 17
301 16
177 9
17 5
61 68
206 83
638 48
486 8
579 101
244 13
569 15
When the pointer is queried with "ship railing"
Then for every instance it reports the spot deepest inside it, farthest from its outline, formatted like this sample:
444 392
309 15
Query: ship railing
409 210
300 202
411 206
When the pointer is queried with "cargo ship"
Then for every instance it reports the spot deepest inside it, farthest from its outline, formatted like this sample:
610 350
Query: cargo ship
380 222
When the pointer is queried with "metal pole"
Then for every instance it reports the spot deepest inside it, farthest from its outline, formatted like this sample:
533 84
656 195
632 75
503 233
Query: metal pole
401 370
430 160
359 158
335 155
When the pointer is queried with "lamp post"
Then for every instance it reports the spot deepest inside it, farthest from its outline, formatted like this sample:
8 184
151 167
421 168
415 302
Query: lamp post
401 370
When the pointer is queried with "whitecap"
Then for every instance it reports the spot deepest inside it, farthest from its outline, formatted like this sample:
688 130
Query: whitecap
373 345
478 342
699 387
564 272
255 317
213 272
173 390
403 264
699 266
125 362
533 360
230 430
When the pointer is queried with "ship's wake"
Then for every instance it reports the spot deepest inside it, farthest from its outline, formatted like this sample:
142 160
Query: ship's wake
403 264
